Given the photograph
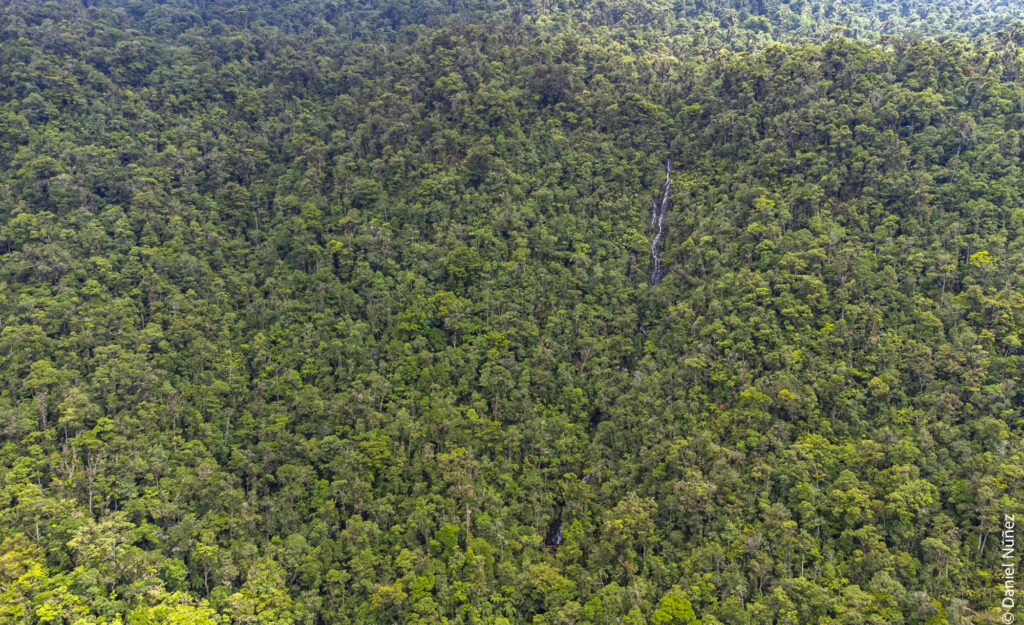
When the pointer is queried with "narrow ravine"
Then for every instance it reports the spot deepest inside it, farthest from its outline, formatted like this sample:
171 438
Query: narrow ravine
658 225
554 538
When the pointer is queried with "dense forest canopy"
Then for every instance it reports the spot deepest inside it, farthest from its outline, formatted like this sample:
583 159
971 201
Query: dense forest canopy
344 311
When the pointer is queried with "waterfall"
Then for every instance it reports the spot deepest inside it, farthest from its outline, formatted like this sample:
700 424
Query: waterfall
658 225
554 535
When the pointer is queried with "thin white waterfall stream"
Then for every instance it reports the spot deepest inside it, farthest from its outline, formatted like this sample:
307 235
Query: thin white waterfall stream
658 224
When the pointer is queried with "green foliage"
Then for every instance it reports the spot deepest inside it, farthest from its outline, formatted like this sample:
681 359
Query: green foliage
338 312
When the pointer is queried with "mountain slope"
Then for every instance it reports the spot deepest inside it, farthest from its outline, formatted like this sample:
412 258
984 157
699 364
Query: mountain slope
339 313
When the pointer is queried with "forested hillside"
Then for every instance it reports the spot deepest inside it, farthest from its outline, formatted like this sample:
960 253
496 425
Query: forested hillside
346 312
